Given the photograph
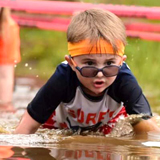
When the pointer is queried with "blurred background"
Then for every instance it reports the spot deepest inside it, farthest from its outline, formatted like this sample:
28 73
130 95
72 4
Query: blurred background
43 49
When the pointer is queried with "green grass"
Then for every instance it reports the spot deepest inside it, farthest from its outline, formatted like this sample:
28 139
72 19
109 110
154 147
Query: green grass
144 61
41 50
127 2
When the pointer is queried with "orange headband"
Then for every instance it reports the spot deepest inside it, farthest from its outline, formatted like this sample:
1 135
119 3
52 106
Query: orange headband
102 46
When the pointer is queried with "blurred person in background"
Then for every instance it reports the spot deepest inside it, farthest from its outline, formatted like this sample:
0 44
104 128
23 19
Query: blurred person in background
9 56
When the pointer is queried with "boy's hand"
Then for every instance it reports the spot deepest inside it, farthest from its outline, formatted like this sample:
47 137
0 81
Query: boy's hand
145 126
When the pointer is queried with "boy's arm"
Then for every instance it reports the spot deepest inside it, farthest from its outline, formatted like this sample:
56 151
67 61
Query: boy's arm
145 126
27 125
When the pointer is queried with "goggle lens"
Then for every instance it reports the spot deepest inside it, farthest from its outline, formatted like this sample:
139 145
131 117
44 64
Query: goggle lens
107 71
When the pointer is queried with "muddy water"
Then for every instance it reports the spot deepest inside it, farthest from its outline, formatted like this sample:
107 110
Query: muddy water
50 144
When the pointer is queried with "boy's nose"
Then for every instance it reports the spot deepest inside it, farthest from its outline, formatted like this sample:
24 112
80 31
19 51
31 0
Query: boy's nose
99 74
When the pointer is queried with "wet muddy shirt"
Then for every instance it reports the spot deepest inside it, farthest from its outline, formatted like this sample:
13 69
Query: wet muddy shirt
63 101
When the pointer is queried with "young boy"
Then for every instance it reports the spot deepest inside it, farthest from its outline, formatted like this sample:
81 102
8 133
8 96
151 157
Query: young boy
94 86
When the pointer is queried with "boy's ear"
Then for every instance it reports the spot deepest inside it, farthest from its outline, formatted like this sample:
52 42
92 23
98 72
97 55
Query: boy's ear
124 57
68 59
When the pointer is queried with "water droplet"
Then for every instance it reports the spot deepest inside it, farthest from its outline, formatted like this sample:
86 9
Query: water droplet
26 65
24 153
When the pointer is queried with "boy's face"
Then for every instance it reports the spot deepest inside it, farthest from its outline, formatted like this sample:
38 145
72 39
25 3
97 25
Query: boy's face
95 85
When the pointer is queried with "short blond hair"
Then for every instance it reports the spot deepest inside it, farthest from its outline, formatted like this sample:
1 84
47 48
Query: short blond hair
94 24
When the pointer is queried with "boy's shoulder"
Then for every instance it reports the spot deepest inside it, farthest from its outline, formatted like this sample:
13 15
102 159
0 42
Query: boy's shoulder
124 84
63 66
64 74
64 69
125 77
125 73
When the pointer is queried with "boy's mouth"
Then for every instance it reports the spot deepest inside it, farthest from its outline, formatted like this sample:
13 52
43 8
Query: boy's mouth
98 84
